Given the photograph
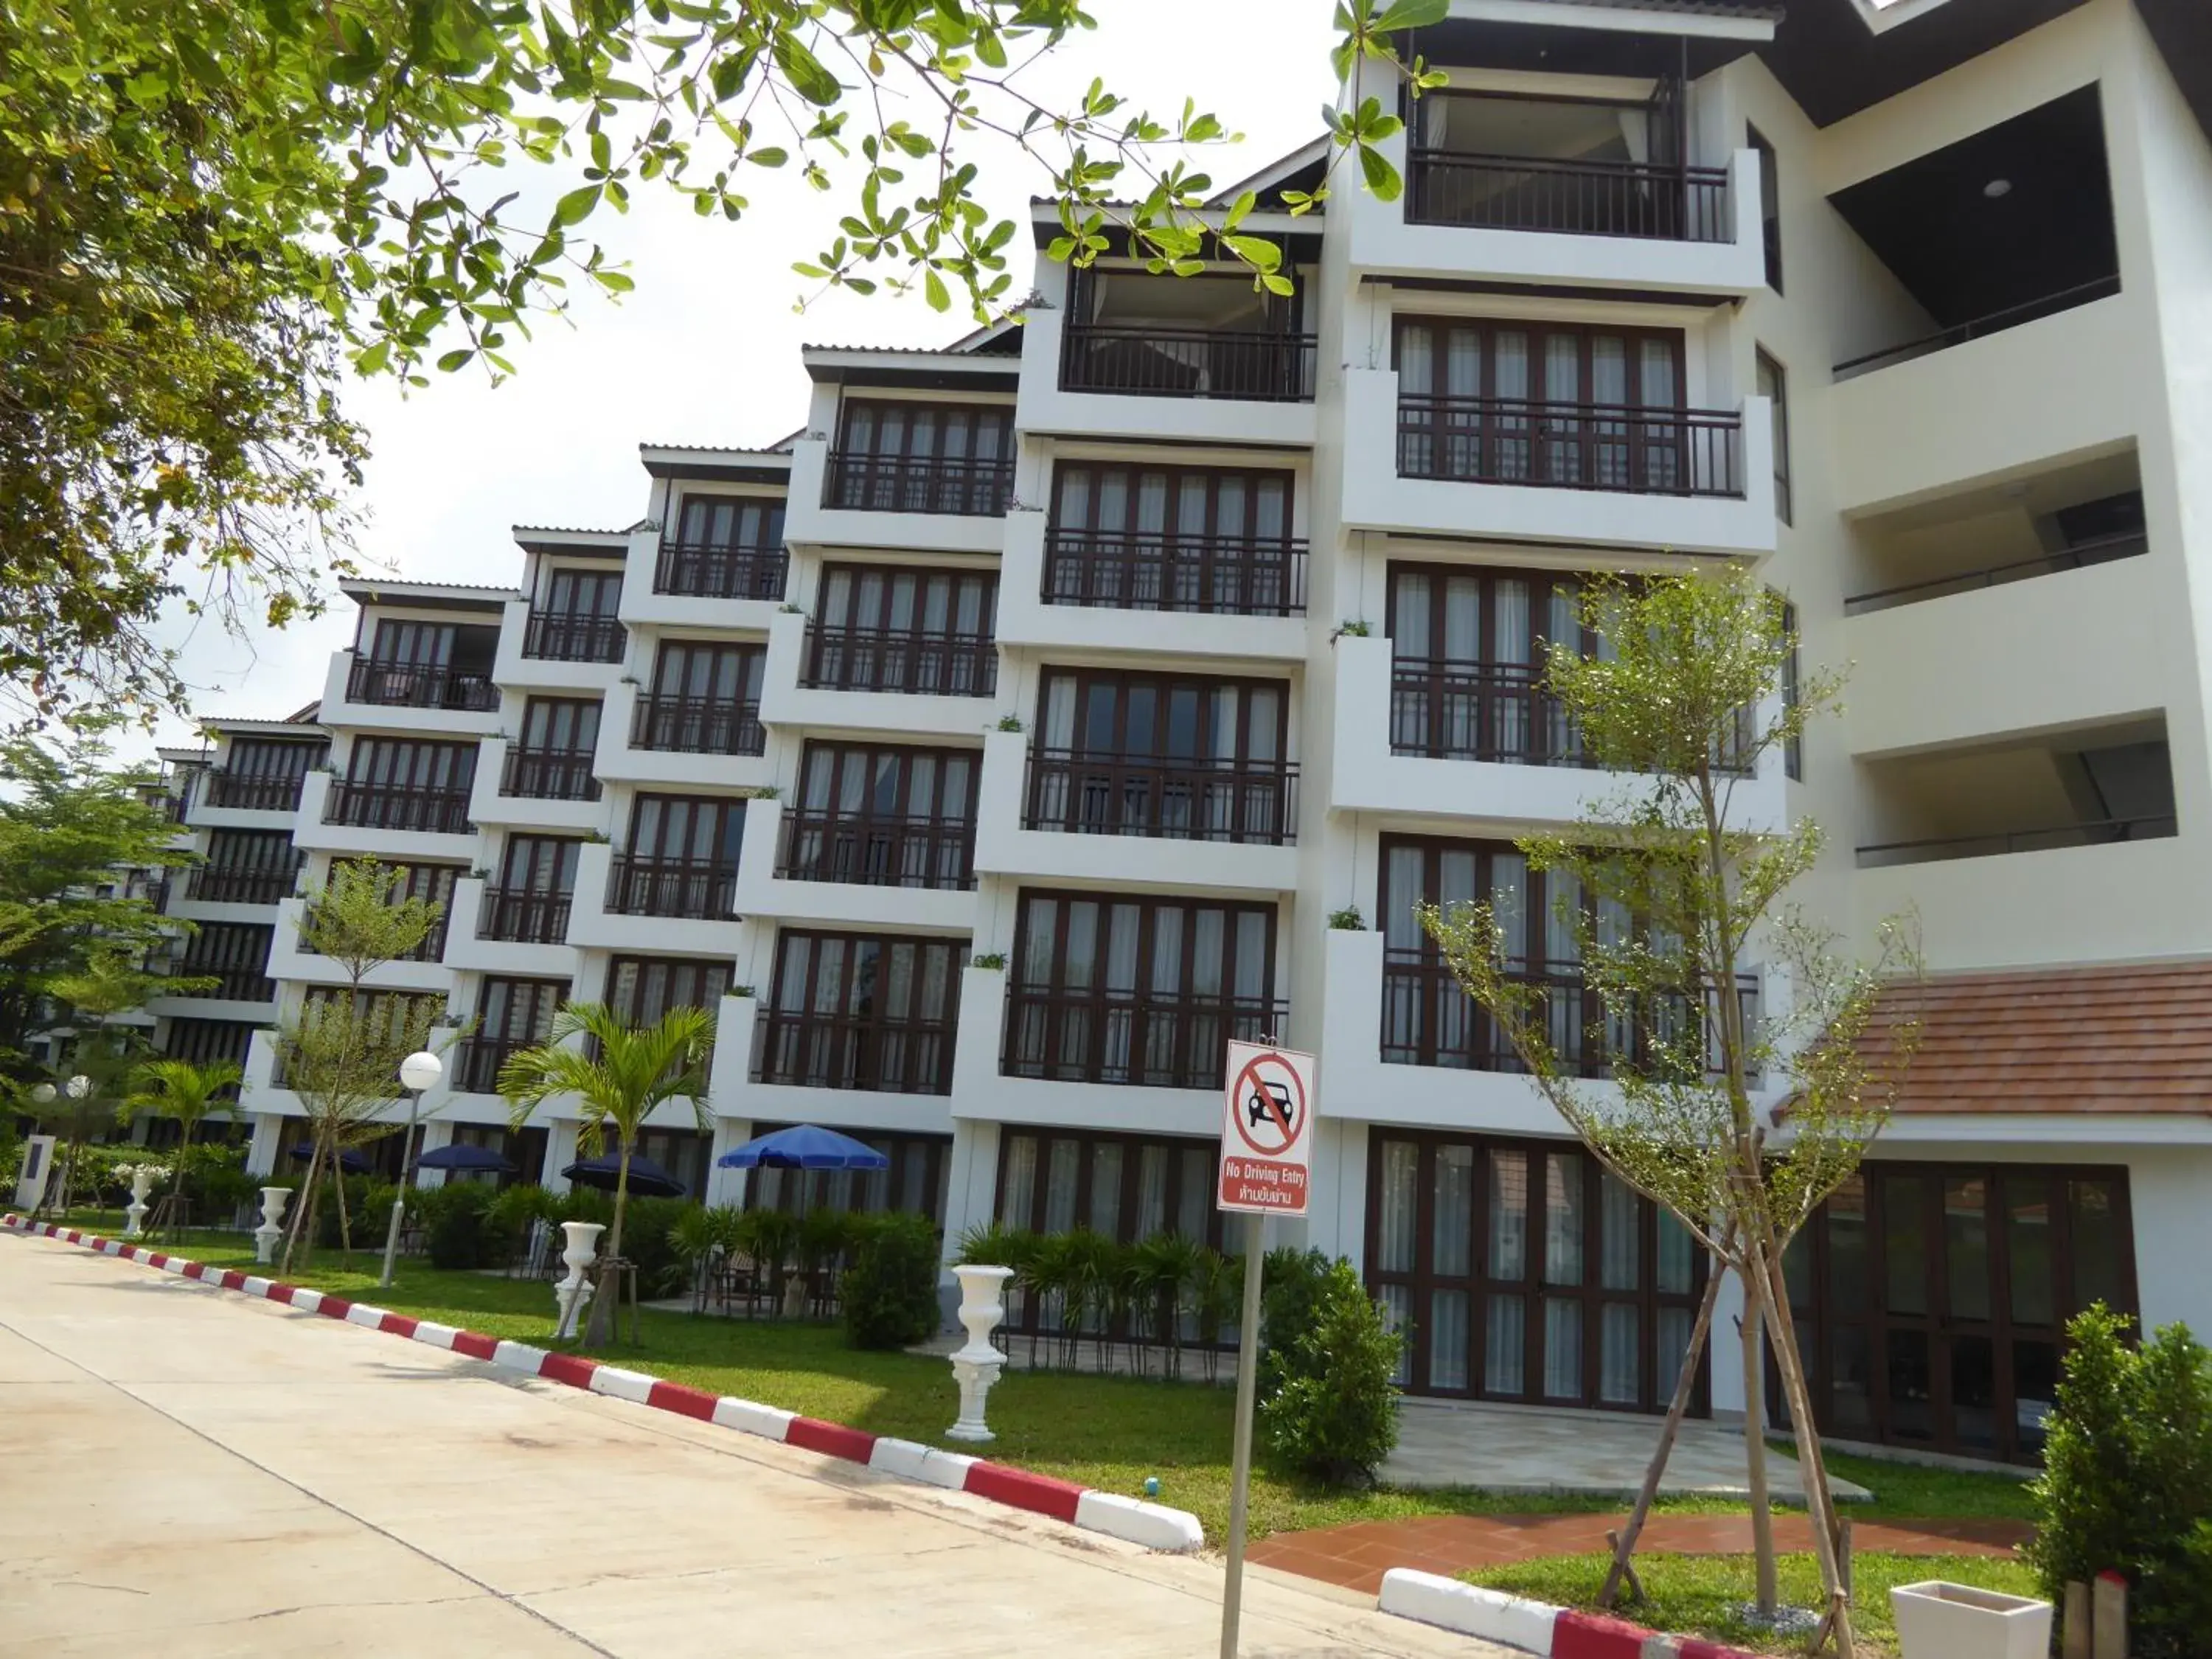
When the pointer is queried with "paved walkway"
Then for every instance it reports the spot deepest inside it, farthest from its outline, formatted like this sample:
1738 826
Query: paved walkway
187 1471
1356 1556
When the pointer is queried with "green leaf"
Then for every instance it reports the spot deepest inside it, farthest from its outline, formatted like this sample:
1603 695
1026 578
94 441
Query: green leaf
577 205
932 289
454 360
1412 15
1382 178
806 73
770 156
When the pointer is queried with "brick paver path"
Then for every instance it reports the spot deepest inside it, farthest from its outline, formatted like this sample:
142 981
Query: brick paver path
1356 1555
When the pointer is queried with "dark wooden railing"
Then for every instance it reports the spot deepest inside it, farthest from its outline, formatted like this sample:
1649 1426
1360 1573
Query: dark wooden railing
697 889
477 1061
934 852
1429 1019
1996 322
212 883
1152 1042
1479 711
918 484
706 572
550 636
815 1050
885 660
250 793
403 685
1586 198
1637 451
1214 575
398 806
1188 362
232 984
2103 551
698 726
1252 803
2101 832
549 775
524 916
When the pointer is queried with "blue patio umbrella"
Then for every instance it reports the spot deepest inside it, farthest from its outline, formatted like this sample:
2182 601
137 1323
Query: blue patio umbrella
646 1178
351 1162
466 1160
803 1146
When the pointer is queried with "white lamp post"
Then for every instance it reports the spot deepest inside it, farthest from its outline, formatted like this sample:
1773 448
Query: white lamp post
419 1070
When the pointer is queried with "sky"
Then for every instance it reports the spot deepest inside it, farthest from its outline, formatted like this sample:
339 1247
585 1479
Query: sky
706 350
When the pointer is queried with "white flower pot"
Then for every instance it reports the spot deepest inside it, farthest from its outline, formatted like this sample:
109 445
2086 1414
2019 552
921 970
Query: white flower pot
976 1366
573 1293
141 1183
1941 1621
273 1199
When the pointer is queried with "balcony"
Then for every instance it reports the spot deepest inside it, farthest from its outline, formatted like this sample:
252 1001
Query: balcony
697 726
213 885
691 889
477 1061
405 807
402 685
1630 450
925 853
905 661
744 1087
809 1049
245 792
549 775
555 637
720 573
2096 832
505 932
231 984
1127 1040
1568 197
1144 362
1479 711
928 484
1251 804
1211 575
817 869
382 821
521 915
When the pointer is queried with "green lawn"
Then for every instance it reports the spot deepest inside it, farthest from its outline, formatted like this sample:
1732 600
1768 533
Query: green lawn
1695 1594
1105 1432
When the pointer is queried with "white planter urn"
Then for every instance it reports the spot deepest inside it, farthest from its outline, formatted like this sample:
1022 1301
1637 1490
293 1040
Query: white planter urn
976 1367
1938 1619
273 1199
574 1294
143 1177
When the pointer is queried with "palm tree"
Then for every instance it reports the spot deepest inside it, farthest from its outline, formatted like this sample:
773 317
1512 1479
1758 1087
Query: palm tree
621 1076
189 1093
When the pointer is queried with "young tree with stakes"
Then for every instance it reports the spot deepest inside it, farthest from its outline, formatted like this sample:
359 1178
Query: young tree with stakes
1675 892
190 1094
342 1053
621 1077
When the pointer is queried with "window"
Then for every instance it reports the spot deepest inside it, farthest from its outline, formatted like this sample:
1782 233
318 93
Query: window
1793 752
512 1014
683 857
263 776
1774 386
204 1041
434 884
641 989
726 547
1126 1188
246 867
705 700
553 761
1174 538
406 783
882 628
537 885
888 816
236 955
863 1012
575 619
1468 650
894 456
1770 205
424 664
914 1184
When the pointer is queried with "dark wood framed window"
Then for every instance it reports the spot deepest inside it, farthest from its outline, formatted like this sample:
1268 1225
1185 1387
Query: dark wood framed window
537 884
1774 386
575 619
1522 1270
1206 335
915 1183
1770 204
883 816
685 1153
406 783
554 757
525 1148
236 955
641 989
1932 1299
928 632
1146 991
246 867
724 547
259 775
425 664
1126 1188
1165 754
1468 654
431 883
1793 750
512 1014
681 860
704 700
859 1010
204 1042
897 456
1559 405
1214 540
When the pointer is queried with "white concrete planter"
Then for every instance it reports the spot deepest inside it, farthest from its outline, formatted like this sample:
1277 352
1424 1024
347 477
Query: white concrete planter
573 1293
976 1366
134 1217
1941 1621
273 1199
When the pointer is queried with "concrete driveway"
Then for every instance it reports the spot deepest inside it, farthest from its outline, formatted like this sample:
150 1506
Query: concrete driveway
184 1471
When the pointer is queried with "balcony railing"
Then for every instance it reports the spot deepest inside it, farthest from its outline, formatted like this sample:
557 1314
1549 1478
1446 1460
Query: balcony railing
2103 551
549 775
1213 575
886 660
213 885
1169 362
523 915
918 484
932 853
1996 322
698 726
553 637
1153 1041
832 1051
720 573
477 1062
2102 832
1479 711
1252 803
1584 198
404 685
1510 441
1429 1019
696 890
232 984
250 793
398 806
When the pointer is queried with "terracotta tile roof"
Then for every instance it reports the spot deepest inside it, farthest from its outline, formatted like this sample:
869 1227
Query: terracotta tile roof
2078 1040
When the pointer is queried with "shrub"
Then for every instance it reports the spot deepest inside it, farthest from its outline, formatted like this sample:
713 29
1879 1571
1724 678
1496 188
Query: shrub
1291 1289
2127 1479
455 1217
890 1290
1328 1407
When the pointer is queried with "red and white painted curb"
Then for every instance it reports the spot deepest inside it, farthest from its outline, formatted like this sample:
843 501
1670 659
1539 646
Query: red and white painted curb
1155 1526
1538 1626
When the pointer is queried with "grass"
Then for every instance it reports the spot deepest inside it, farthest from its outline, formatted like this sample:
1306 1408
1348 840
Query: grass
1110 1432
1698 1594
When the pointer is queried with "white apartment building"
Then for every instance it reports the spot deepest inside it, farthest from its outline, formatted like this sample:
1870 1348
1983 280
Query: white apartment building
1052 707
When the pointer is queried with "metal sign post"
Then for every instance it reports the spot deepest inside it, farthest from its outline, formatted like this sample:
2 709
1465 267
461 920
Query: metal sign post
1266 1156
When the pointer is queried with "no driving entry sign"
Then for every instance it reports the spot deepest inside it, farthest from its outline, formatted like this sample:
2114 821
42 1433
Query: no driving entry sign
1267 1132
